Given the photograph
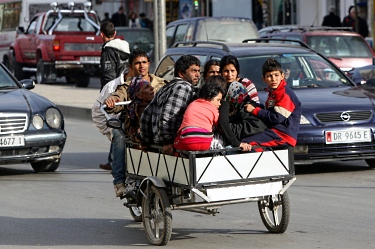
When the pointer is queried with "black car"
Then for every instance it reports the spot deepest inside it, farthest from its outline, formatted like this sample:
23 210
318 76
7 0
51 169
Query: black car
338 117
31 126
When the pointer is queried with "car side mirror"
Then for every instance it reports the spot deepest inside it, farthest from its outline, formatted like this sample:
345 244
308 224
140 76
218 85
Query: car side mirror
28 84
114 123
20 30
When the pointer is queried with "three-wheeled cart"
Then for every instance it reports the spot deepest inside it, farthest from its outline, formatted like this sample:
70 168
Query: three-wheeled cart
204 181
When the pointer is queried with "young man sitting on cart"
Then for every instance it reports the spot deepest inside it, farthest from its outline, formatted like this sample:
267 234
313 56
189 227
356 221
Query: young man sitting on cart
282 112
139 63
163 116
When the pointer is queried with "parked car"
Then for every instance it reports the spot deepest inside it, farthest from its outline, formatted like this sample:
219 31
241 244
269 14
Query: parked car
223 29
338 117
344 47
31 126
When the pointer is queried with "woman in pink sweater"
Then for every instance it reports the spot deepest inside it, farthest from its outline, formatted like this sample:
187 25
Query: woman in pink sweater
201 115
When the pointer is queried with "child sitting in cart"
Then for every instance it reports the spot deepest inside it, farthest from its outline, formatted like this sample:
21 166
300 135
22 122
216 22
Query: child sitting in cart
195 132
282 112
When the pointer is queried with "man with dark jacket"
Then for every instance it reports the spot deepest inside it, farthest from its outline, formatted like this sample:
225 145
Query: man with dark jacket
331 20
119 18
115 53
350 21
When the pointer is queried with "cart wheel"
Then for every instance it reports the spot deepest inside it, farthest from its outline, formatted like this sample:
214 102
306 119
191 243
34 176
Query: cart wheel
275 212
157 216
136 213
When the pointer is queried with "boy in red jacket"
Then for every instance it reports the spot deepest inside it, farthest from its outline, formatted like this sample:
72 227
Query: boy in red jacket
282 112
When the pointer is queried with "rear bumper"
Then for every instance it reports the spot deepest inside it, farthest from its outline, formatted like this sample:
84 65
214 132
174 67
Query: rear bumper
76 64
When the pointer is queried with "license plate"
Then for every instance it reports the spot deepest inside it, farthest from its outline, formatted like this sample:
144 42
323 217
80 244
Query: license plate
12 141
335 137
89 58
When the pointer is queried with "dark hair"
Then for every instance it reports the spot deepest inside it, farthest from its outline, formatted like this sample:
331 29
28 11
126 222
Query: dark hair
210 90
108 29
218 80
350 8
184 62
271 65
229 59
137 53
212 62
121 8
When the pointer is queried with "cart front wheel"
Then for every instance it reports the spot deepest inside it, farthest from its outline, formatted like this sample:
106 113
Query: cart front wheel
275 212
157 216
136 213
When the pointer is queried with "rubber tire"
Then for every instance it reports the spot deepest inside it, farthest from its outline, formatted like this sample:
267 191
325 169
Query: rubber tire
370 162
136 213
17 69
160 209
267 213
40 72
46 166
82 81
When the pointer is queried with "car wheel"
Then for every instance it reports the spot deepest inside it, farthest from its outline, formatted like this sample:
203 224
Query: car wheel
370 162
46 166
40 72
16 69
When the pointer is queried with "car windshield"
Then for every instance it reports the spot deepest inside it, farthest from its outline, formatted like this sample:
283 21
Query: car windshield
300 70
70 23
6 81
340 46
227 30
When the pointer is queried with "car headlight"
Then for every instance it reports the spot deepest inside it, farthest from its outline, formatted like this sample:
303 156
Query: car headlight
53 118
37 122
304 120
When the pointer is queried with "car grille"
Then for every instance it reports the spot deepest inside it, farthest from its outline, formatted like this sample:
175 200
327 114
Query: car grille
12 123
336 116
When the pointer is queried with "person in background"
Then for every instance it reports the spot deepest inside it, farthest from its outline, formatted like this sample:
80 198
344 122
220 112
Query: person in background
350 21
133 20
195 132
163 116
114 56
119 18
211 68
145 22
331 20
282 113
106 17
258 14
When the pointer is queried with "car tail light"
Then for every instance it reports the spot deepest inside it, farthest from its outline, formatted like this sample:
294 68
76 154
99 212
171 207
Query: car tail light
56 45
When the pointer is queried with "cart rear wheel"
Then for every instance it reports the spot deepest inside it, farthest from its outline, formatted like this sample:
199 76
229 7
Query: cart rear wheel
275 212
136 213
157 216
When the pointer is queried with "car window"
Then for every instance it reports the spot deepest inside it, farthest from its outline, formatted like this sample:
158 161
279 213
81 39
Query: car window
32 26
340 46
226 30
293 37
180 33
306 70
165 69
169 33
70 23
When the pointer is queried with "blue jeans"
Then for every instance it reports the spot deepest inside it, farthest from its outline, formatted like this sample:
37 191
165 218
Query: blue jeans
118 154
